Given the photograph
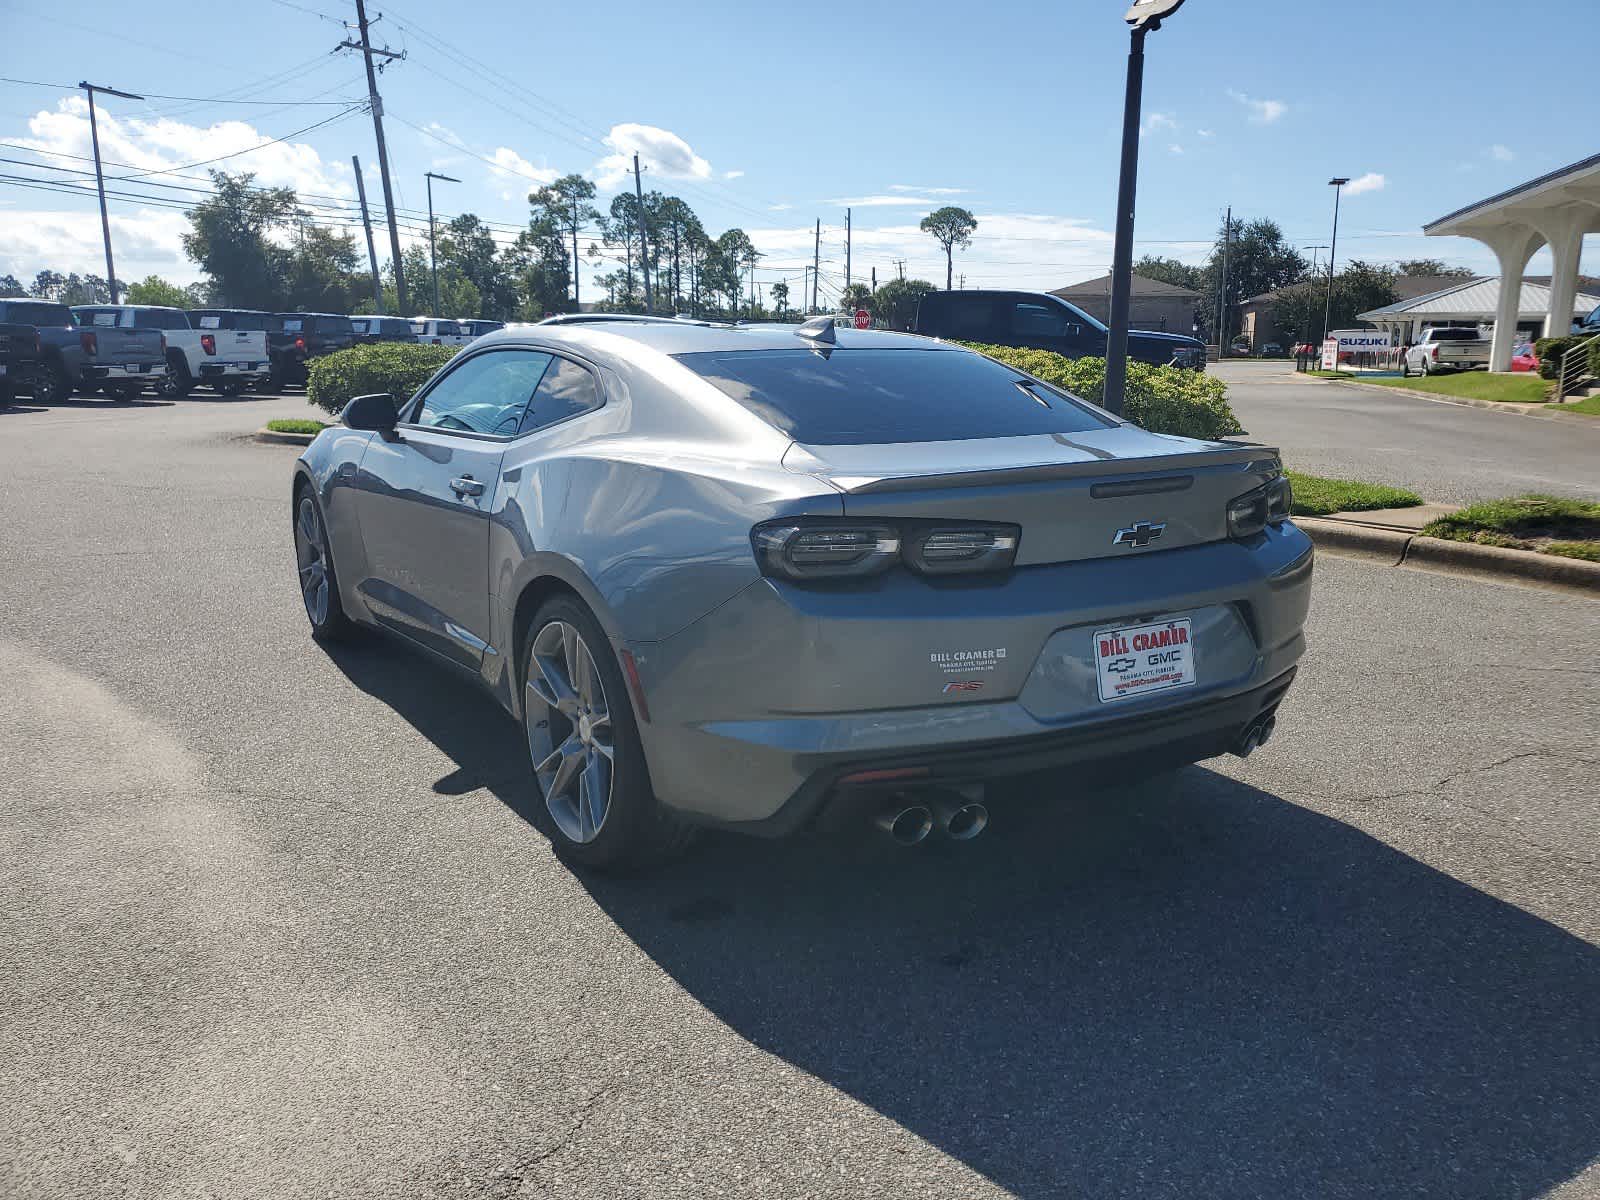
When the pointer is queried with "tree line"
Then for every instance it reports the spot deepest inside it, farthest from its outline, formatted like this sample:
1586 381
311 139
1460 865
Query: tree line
261 248
1260 262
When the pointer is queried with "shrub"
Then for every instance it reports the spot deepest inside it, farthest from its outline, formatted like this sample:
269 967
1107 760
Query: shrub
1550 351
1160 399
394 367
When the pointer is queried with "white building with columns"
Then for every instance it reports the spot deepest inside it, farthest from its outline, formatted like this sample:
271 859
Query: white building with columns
1555 210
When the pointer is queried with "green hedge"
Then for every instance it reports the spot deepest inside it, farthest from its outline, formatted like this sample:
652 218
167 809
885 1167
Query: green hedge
1550 351
1160 399
398 368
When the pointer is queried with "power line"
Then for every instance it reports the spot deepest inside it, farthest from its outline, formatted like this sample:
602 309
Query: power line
339 116
67 87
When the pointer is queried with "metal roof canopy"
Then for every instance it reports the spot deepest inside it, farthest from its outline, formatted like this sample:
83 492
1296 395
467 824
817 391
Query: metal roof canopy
1557 210
1478 299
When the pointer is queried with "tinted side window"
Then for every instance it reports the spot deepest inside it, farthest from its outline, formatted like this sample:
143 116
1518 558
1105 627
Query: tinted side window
159 318
334 325
1038 321
565 391
968 319
488 393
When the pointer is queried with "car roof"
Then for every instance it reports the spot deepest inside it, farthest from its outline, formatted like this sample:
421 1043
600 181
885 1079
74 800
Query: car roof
668 336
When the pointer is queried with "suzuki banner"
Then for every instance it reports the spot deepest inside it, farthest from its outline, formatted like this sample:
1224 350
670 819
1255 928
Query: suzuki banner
1361 341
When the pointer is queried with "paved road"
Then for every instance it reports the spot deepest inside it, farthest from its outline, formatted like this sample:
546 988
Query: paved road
1446 452
272 923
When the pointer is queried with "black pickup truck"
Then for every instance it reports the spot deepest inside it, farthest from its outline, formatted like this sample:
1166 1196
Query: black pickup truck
20 349
310 335
1040 321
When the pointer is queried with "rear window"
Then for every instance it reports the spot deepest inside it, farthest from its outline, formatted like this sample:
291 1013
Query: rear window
360 326
248 322
1456 335
160 318
394 325
35 314
334 325
863 397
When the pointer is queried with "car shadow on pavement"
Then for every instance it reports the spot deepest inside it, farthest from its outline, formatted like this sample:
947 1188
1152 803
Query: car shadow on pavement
1186 986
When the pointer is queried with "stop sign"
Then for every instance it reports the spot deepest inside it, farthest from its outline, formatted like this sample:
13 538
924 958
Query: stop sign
862 318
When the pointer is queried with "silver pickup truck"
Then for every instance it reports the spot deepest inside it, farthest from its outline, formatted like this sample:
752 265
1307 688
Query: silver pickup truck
119 362
1458 348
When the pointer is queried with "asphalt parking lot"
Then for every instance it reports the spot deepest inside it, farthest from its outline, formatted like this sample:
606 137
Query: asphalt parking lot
273 922
1448 453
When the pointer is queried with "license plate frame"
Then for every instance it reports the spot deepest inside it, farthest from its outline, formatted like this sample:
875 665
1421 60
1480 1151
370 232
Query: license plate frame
1143 660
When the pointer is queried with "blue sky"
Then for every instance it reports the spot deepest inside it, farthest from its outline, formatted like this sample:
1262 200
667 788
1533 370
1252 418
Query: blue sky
771 116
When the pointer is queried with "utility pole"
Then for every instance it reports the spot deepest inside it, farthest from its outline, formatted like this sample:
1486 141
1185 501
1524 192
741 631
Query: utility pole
847 249
900 264
874 278
99 178
644 246
816 263
372 251
375 102
433 259
1222 287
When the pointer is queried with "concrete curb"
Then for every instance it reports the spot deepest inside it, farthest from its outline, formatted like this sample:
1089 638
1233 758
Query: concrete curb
283 439
1395 549
1543 412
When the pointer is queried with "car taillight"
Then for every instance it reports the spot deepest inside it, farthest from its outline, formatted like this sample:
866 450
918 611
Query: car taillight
1252 512
89 341
300 344
208 342
826 548
1436 354
437 342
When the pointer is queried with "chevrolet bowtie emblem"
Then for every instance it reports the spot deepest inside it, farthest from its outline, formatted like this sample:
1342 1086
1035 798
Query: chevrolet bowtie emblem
1138 535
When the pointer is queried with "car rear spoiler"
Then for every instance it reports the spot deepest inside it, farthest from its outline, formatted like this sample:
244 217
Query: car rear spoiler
1246 458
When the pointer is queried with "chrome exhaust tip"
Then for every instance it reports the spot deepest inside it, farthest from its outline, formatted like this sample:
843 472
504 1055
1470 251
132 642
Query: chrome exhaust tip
906 824
1258 734
960 819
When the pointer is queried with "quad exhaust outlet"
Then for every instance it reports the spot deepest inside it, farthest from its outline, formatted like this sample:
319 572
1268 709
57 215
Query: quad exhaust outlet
1257 734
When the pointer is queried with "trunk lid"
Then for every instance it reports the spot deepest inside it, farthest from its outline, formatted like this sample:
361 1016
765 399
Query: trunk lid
116 346
1071 494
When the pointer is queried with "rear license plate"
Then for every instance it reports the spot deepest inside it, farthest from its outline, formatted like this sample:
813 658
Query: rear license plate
1138 660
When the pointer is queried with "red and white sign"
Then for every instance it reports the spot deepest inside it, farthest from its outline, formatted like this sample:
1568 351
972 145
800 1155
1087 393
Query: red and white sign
1141 659
863 318
1330 355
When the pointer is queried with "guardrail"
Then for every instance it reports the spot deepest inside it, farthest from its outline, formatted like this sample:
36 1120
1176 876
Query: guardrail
1574 368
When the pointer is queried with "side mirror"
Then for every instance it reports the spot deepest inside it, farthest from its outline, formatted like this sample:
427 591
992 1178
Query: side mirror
375 413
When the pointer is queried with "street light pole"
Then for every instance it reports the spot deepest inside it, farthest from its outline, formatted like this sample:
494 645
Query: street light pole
1144 16
433 260
99 176
1337 184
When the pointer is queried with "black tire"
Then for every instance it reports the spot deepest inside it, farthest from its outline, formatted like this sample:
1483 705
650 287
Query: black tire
5 396
177 382
52 384
230 387
328 620
635 829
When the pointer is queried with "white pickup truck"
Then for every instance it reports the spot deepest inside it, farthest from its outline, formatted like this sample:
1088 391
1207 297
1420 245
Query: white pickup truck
1451 348
435 331
230 360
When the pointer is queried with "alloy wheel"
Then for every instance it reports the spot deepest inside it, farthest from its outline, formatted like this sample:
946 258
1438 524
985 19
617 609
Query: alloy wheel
311 557
570 731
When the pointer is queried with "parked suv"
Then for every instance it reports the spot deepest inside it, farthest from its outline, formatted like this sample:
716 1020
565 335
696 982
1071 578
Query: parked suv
478 328
438 332
382 329
20 351
310 336
1040 321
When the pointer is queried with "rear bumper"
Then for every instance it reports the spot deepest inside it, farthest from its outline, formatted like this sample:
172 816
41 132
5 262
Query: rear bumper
248 368
1104 753
141 371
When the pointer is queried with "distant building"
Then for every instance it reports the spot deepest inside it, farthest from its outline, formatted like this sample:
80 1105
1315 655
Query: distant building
1163 307
1477 302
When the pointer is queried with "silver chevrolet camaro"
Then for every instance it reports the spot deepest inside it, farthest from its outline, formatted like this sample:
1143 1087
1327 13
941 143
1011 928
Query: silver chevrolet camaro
774 577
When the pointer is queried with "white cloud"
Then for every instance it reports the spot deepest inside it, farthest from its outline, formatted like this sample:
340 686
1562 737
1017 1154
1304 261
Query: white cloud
1206 133
927 191
785 207
664 152
512 168
1501 153
881 201
1262 112
146 242
1174 149
1370 182
163 144
733 174
1159 120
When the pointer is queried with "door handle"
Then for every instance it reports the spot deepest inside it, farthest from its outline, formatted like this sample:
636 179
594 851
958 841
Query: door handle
466 485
